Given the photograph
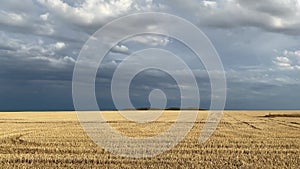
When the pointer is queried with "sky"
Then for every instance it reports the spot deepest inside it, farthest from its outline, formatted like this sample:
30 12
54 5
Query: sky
257 41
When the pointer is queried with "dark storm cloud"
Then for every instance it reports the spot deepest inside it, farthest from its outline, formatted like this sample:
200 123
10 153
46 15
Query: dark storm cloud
143 83
6 48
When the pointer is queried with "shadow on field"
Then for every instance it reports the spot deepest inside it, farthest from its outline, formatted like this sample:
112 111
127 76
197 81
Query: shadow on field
282 115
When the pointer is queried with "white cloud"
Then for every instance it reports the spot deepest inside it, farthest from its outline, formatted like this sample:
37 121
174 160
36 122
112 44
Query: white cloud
211 4
260 76
26 23
289 61
59 45
120 49
283 59
69 59
151 40
93 11
35 50
11 18
55 62
45 16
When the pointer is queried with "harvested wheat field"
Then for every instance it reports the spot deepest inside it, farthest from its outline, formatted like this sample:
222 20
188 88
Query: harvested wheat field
243 139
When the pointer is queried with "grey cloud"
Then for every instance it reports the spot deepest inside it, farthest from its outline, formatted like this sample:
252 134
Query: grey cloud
26 6
271 16
5 47
272 7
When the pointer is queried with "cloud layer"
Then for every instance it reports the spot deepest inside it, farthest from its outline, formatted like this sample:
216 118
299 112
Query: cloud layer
258 42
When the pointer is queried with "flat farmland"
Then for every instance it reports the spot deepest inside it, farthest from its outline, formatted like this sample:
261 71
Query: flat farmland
243 139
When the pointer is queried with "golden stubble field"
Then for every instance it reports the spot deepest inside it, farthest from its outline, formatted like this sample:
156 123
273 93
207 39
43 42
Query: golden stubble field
243 139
